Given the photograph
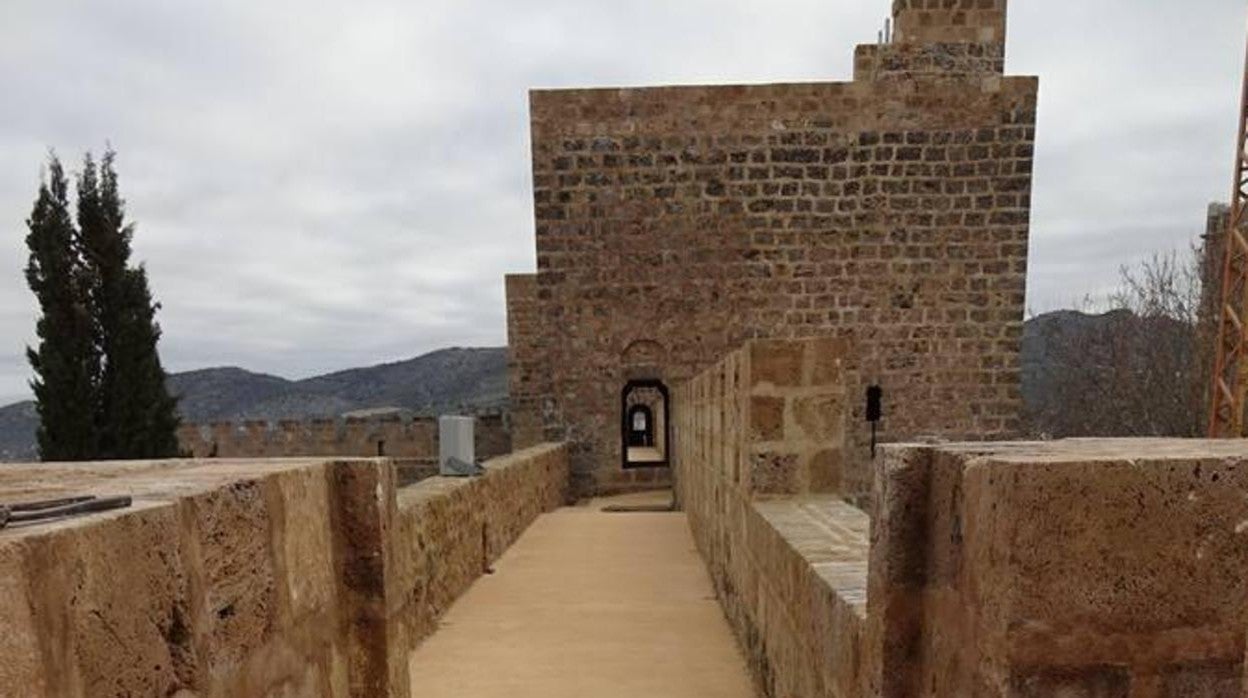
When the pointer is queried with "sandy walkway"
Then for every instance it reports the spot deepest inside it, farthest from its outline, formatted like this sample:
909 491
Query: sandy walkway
587 605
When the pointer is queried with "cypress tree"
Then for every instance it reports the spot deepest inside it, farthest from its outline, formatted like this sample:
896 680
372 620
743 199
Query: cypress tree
135 415
66 362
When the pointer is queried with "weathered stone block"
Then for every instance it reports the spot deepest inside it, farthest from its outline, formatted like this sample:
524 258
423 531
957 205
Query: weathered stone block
1086 682
773 472
767 418
22 663
305 543
778 363
1204 679
827 356
826 471
245 578
820 418
1041 562
232 526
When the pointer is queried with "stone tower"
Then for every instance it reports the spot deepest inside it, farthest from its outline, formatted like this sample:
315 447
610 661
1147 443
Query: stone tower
675 222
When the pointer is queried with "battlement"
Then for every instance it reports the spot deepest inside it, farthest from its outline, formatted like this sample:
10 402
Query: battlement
949 21
304 577
997 569
987 569
396 435
938 38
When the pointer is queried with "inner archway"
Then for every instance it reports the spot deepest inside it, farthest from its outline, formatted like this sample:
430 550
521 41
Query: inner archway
645 424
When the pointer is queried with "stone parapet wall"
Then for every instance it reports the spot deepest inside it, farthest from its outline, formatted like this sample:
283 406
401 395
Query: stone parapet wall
391 436
903 61
1082 568
302 577
450 530
768 419
409 471
790 571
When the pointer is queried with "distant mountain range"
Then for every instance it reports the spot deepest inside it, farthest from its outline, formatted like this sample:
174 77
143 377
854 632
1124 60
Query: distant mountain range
1037 360
441 381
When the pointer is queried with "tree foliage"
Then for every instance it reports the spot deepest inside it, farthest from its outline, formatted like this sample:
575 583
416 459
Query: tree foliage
66 362
1139 369
131 412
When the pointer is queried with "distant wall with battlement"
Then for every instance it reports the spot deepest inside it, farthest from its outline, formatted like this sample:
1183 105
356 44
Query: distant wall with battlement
394 436
250 577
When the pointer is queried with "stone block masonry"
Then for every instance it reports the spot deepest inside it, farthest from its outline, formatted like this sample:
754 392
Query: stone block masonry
758 471
1090 568
768 419
391 436
674 223
527 380
1081 567
249 578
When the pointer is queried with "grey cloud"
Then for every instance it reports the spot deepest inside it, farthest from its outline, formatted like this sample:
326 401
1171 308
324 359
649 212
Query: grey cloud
321 185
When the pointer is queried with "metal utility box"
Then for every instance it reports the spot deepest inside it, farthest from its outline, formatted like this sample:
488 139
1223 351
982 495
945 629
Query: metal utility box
455 441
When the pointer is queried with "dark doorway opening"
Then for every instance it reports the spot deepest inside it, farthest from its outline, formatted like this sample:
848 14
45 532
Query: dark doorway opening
645 424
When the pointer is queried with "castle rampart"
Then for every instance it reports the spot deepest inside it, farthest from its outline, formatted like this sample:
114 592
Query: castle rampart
391 435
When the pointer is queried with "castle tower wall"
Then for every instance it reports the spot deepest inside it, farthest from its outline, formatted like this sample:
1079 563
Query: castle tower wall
891 211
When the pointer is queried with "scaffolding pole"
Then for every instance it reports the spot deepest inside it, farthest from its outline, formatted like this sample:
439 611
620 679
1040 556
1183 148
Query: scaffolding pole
1230 368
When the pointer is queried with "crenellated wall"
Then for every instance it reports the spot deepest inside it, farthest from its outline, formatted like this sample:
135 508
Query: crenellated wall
1090 568
249 577
759 447
390 436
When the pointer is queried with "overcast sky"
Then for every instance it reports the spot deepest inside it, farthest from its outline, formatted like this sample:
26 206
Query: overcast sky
321 185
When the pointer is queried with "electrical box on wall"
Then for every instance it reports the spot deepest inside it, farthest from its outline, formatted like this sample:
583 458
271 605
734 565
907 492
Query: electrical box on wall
875 406
455 444
875 411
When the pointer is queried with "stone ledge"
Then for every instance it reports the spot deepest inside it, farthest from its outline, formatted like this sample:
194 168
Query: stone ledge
1038 568
247 578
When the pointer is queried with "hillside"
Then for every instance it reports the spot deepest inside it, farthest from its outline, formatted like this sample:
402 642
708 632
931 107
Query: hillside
441 381
476 378
1114 374
1042 336
18 423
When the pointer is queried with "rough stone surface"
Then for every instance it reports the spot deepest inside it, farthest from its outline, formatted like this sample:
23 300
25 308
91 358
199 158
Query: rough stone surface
767 419
391 436
673 223
299 577
1101 566
790 572
1070 568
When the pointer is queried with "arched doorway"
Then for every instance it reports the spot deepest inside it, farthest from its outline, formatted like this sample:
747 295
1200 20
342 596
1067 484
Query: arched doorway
645 424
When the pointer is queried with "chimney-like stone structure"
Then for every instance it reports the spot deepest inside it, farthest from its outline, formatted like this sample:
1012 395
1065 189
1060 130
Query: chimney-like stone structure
949 21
